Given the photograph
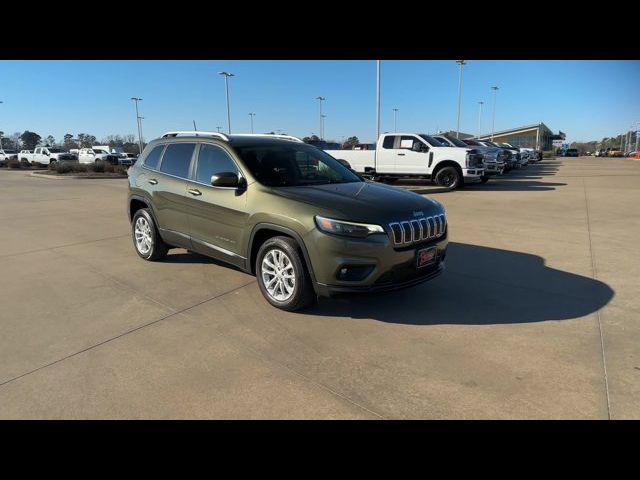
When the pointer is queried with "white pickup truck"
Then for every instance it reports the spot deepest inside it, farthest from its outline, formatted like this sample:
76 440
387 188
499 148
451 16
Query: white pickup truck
44 156
97 154
413 155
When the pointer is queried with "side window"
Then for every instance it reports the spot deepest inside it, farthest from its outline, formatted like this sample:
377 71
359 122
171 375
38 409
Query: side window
306 164
152 159
406 142
388 141
211 161
176 159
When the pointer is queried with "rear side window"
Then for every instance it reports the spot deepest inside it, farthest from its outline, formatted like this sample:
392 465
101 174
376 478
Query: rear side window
388 141
213 160
177 158
154 157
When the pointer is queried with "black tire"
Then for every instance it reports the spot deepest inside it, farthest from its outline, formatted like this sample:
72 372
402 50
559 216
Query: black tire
158 249
449 177
484 178
303 293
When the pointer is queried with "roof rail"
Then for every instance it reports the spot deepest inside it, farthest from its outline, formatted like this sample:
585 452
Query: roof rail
273 135
197 133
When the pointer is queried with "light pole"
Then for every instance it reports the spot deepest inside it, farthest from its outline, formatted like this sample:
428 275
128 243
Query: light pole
218 129
251 115
395 120
140 126
322 117
377 100
493 124
481 103
136 100
226 87
637 130
321 99
460 64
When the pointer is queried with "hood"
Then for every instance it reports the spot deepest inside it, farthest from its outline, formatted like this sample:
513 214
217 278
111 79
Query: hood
368 202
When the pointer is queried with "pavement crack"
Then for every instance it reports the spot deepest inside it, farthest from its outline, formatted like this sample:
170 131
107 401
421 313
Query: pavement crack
598 315
132 330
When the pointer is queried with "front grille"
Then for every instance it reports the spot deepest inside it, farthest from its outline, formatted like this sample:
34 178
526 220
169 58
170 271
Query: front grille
413 231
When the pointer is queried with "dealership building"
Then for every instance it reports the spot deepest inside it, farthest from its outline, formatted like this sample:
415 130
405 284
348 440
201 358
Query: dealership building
537 136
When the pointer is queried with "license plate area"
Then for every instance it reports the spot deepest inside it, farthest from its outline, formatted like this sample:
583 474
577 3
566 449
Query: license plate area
426 256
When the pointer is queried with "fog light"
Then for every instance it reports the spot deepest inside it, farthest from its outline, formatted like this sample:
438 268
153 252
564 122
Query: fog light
354 273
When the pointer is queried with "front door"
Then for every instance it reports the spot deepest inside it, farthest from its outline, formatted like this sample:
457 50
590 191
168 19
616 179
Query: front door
408 160
217 215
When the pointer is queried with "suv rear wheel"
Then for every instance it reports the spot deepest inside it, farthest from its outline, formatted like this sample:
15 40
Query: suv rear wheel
146 238
282 276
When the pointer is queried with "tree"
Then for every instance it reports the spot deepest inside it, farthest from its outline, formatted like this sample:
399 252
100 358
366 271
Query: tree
86 141
350 142
68 143
30 139
51 142
312 138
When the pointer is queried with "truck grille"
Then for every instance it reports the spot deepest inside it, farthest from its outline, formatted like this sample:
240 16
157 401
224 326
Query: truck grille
413 231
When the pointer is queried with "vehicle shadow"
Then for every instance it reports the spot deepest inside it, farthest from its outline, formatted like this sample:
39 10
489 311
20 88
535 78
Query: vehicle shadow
480 286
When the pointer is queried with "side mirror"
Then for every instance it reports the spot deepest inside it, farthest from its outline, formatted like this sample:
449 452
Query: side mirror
226 179
419 147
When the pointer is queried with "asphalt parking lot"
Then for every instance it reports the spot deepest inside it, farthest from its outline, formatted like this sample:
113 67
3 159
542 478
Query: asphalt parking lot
535 317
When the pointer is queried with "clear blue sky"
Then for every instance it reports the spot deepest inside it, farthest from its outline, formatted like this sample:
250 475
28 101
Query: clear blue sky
586 99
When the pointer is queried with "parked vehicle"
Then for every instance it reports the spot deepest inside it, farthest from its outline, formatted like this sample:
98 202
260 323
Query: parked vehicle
285 211
493 159
6 154
91 155
127 159
45 156
634 154
412 155
614 152
572 152
510 162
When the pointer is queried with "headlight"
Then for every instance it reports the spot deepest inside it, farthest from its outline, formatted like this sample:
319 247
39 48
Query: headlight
348 229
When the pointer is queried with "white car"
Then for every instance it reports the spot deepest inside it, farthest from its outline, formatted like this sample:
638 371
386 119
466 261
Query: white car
92 155
44 155
8 155
417 155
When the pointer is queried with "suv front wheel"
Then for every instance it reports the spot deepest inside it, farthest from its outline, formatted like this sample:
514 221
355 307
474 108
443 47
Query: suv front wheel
146 238
282 276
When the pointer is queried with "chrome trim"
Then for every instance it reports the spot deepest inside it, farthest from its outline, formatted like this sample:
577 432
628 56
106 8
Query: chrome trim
416 230
219 249
404 232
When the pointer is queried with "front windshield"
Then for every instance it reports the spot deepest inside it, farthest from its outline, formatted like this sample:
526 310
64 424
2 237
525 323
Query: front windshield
434 142
472 142
278 165
457 142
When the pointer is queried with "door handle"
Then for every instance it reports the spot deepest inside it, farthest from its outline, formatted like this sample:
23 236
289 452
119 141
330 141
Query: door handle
401 154
194 191
153 181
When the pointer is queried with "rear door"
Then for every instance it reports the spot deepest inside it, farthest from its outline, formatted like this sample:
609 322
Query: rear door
407 160
167 185
386 156
217 215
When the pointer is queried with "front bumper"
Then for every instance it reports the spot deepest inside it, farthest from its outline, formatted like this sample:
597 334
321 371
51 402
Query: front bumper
472 174
391 268
493 168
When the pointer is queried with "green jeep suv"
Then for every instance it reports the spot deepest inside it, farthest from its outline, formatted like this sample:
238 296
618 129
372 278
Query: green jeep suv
301 221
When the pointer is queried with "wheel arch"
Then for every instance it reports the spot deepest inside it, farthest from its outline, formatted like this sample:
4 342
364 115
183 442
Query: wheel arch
262 232
447 163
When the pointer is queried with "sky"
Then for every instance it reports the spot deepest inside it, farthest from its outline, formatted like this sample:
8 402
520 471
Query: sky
588 100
